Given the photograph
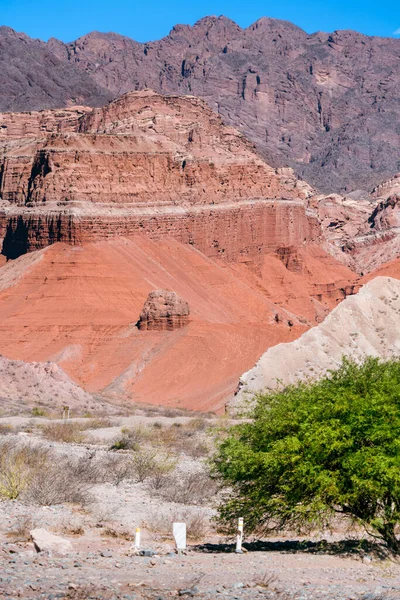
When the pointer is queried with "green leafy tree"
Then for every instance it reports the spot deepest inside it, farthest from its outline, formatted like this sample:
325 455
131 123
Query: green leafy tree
317 449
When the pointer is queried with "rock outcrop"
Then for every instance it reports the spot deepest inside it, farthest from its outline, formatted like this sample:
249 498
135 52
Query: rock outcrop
366 324
163 166
163 311
326 103
362 232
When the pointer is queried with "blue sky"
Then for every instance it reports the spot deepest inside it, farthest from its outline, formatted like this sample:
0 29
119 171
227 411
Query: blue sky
144 21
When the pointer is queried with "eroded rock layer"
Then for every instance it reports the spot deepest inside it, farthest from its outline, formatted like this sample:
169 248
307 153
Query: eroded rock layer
363 232
366 324
144 163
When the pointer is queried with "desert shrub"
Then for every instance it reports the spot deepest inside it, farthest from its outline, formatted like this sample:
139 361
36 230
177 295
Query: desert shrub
147 463
19 463
69 432
132 438
97 423
21 530
314 450
188 488
198 424
5 429
118 533
38 412
117 468
72 526
38 475
58 483
187 439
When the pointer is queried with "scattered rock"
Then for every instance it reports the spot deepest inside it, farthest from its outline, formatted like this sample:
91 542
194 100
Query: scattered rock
45 541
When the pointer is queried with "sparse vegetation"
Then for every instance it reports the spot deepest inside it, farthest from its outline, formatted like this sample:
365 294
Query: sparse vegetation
187 488
19 464
20 531
37 411
118 533
147 463
5 429
69 432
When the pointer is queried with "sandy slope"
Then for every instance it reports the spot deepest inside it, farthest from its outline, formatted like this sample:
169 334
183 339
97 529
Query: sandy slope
45 384
367 323
78 307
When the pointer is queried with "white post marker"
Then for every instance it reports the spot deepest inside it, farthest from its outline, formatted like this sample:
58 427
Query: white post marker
239 537
137 538
179 532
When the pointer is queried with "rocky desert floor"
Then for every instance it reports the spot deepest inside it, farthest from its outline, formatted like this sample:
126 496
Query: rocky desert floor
93 480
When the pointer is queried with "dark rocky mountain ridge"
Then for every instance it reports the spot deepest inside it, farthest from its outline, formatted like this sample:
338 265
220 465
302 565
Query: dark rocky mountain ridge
326 104
33 78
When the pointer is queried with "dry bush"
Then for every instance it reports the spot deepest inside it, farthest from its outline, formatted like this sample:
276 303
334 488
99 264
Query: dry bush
188 488
69 432
19 464
198 424
118 533
192 438
38 475
104 514
132 438
37 411
147 463
198 524
90 468
72 527
21 531
98 423
5 429
117 468
58 484
267 580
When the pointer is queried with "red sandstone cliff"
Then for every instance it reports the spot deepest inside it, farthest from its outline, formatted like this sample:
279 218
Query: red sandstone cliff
144 163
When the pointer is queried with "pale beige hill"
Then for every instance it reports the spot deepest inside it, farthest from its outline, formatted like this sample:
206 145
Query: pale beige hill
366 324
46 384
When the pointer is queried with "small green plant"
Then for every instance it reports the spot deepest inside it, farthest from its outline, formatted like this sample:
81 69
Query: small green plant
38 412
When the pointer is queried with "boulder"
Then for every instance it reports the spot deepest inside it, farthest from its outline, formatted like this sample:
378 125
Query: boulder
46 541
163 311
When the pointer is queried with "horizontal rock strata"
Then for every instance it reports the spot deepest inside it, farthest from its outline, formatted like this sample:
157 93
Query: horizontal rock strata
163 166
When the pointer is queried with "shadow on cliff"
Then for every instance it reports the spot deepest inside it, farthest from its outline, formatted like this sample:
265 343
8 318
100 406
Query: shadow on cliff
15 241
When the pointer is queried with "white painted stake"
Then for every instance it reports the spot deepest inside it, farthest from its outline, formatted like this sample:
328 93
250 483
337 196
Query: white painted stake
239 537
137 538
179 532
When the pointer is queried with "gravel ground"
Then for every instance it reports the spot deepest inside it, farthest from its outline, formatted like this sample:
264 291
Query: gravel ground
102 565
